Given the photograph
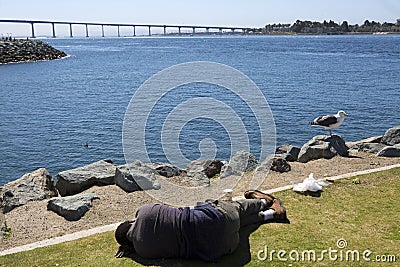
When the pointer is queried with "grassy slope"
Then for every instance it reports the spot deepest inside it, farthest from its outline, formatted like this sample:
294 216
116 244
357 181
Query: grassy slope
365 215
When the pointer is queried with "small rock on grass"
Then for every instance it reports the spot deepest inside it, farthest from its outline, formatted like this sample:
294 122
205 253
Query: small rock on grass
72 208
390 151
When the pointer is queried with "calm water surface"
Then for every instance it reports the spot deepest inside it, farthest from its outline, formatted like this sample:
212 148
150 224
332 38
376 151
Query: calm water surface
49 109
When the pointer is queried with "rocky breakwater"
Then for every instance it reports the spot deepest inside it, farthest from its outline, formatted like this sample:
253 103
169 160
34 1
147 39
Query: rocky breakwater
387 145
65 194
21 50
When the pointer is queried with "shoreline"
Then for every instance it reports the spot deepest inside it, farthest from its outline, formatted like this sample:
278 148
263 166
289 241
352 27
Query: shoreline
173 35
116 205
41 60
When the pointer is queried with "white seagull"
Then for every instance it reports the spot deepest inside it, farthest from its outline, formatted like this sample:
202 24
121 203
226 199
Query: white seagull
330 122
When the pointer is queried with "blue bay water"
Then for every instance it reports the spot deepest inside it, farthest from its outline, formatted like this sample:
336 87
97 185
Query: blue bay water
49 109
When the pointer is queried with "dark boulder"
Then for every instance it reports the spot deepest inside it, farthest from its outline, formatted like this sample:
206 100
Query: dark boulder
214 168
390 151
72 208
165 169
37 185
322 146
280 165
288 152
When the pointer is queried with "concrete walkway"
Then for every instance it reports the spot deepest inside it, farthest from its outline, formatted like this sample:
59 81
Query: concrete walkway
112 227
61 239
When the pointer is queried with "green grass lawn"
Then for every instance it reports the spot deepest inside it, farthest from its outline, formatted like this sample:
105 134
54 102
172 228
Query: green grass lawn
365 215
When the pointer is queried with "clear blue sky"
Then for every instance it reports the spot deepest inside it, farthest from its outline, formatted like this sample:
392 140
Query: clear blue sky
252 13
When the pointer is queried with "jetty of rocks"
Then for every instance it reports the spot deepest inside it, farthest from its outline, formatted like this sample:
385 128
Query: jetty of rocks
25 50
65 195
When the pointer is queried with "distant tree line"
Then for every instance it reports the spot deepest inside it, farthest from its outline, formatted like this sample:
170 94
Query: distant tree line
331 27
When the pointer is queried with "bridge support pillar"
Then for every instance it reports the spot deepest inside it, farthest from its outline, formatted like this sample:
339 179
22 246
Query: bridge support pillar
70 30
33 30
220 30
165 30
87 30
102 30
134 31
179 30
207 30
194 30
54 29
149 30
119 35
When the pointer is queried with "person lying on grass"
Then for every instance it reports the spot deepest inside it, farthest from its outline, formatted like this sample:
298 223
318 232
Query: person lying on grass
206 231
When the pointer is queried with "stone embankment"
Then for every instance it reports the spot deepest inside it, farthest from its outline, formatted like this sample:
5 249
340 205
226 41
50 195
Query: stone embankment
73 203
23 50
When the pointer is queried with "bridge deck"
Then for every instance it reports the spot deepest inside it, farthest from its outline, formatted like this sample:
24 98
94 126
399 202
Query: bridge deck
53 23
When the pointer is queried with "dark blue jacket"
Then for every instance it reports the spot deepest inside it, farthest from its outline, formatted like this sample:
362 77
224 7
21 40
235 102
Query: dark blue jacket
161 231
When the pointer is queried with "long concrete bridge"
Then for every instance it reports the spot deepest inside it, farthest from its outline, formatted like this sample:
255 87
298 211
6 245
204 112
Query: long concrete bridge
118 26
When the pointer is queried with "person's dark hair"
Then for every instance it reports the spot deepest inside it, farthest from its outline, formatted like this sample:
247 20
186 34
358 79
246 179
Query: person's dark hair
120 233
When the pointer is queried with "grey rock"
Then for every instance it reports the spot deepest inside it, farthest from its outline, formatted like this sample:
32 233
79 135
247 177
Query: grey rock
280 165
74 181
2 223
390 151
136 176
392 136
195 173
288 152
209 167
37 185
322 146
165 169
242 161
199 172
367 147
373 139
72 208
196 179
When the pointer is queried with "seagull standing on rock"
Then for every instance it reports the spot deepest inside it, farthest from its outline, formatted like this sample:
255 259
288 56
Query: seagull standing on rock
330 122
